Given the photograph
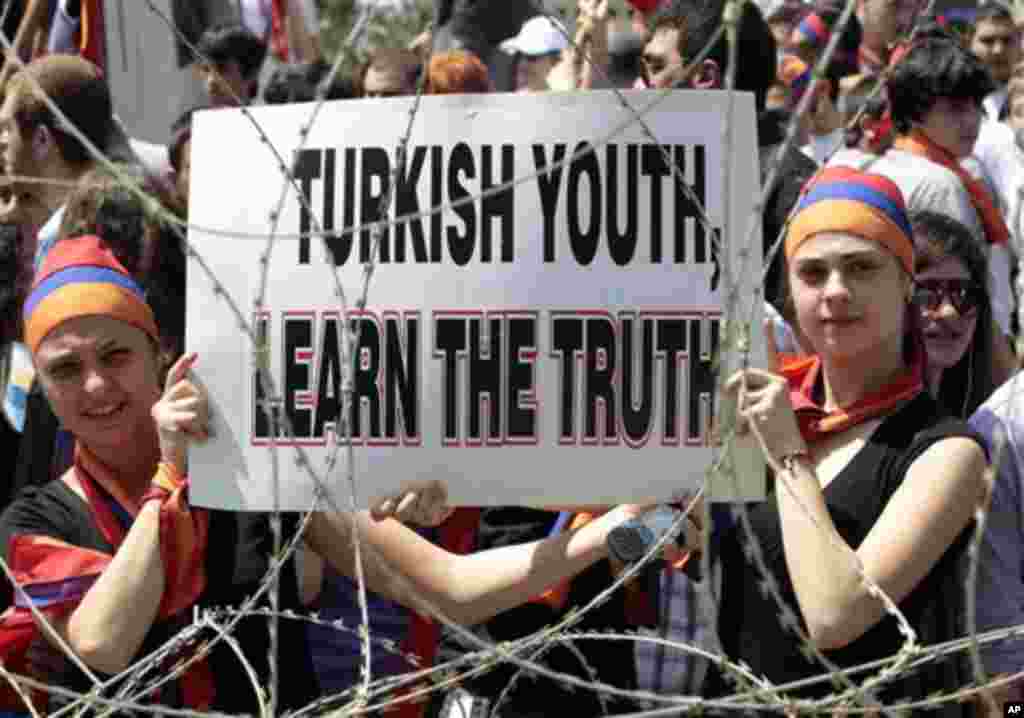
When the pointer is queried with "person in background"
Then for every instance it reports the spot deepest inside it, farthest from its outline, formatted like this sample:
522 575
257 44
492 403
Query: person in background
783 17
814 32
954 312
290 83
289 28
34 146
935 93
679 31
1015 103
640 12
230 60
457 72
870 131
995 40
625 47
883 23
537 49
13 289
583 65
179 155
389 72
821 130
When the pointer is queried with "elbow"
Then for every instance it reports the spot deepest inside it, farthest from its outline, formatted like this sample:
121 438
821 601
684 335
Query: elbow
463 608
831 631
99 652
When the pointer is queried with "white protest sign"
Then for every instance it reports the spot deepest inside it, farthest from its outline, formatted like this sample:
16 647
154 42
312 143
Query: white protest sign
554 342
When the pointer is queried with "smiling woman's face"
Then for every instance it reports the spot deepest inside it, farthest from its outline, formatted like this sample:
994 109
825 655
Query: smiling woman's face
947 333
101 377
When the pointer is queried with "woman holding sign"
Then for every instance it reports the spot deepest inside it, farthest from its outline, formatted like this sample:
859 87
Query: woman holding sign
118 562
874 487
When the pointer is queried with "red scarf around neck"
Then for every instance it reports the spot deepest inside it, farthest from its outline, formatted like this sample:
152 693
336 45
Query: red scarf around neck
917 143
55 575
816 423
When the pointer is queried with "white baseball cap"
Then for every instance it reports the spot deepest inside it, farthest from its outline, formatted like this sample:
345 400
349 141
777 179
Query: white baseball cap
540 35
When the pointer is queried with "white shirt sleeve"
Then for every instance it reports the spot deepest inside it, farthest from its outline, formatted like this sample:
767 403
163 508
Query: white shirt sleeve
999 285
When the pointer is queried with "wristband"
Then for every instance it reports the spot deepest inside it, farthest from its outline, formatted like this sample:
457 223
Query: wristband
165 482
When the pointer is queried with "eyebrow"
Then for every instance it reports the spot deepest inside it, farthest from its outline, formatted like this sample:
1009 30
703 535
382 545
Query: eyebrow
58 360
845 256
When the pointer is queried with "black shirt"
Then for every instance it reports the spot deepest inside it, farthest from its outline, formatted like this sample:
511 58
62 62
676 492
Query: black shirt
749 621
237 558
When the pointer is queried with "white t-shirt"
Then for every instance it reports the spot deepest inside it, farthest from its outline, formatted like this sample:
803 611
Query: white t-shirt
929 186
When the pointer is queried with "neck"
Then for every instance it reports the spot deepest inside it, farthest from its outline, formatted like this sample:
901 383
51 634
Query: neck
133 467
934 377
52 195
848 381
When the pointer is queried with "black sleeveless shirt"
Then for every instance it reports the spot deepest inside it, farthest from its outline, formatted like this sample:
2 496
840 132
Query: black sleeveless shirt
749 622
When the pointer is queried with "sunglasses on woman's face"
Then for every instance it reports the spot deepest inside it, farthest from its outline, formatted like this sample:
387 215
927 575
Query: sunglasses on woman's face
963 294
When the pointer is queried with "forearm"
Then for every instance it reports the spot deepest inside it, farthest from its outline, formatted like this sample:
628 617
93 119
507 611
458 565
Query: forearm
109 625
490 582
33 20
595 63
469 589
822 567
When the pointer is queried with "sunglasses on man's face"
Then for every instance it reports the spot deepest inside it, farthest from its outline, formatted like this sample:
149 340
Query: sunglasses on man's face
963 294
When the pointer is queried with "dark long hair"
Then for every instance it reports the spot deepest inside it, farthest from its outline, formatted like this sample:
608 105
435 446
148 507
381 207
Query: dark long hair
967 384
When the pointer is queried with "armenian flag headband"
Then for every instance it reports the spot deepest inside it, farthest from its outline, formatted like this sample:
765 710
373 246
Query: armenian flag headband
842 199
82 277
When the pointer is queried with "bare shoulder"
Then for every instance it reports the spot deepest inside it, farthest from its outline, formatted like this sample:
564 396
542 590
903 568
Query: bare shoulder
955 459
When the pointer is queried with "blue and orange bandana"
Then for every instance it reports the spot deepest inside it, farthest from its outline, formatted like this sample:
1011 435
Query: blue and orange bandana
842 199
82 277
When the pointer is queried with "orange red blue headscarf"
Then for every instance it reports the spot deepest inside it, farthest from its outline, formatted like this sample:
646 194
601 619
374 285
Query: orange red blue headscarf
82 277
843 199
797 75
812 30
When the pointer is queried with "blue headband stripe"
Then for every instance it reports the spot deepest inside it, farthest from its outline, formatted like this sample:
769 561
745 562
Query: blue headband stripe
78 275
858 193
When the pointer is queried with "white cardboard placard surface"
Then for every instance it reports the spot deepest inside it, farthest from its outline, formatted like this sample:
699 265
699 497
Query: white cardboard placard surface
552 344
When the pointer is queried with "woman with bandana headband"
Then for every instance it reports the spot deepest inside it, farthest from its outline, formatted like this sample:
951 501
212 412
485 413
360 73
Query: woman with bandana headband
871 480
116 559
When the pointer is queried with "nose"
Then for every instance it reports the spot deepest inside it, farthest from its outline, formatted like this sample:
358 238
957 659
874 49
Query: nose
836 287
96 381
946 310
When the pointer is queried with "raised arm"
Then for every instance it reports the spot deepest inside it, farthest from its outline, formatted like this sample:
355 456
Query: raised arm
109 625
934 503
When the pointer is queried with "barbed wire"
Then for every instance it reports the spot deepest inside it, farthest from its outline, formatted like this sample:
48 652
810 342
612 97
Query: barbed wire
737 340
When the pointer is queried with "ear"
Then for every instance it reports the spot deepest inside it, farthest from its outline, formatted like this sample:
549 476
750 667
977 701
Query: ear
707 76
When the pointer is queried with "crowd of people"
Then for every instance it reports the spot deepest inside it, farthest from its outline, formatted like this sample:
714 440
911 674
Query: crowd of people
894 314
